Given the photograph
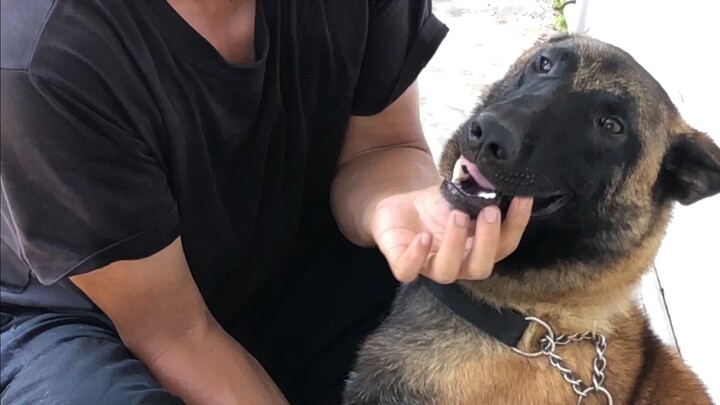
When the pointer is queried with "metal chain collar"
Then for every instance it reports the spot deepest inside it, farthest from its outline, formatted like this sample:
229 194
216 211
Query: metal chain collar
550 342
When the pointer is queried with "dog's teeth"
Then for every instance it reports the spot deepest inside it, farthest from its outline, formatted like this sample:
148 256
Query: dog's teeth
459 173
488 195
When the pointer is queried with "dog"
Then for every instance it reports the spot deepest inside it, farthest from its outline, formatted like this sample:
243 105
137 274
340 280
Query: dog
585 130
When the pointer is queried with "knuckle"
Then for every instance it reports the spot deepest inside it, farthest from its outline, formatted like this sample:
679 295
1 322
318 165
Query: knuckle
450 248
508 248
487 232
416 258
443 277
443 280
411 256
403 275
487 237
480 271
399 268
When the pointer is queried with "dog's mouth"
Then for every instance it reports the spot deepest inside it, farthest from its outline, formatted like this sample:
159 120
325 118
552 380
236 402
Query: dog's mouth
470 191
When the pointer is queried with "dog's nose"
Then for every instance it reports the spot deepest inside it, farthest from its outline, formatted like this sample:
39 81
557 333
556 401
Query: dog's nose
492 139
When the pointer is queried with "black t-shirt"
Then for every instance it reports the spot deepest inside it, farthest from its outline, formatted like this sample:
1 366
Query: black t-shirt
122 129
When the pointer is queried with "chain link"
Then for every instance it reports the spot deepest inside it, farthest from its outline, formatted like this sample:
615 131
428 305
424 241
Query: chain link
548 346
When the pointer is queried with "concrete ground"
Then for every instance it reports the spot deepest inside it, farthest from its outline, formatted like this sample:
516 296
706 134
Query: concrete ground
679 43
485 38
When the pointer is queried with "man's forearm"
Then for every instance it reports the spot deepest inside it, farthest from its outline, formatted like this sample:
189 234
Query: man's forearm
207 366
368 178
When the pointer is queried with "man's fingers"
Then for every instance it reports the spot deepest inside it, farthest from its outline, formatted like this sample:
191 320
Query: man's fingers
492 240
517 219
481 260
445 266
408 263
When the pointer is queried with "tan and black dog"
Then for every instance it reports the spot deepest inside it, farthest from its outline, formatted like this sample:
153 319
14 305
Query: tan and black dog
579 125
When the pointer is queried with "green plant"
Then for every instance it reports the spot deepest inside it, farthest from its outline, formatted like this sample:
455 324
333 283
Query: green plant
559 7
561 23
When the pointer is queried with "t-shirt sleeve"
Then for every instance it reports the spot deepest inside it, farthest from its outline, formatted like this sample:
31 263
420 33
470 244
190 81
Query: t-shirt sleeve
81 187
402 37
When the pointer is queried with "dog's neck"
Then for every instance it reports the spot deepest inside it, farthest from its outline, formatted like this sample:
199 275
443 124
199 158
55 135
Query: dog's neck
573 297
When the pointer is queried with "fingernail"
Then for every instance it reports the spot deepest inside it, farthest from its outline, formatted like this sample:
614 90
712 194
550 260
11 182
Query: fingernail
490 214
461 219
524 203
425 240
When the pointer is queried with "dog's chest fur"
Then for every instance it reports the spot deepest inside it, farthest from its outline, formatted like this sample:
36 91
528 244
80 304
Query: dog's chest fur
468 367
590 123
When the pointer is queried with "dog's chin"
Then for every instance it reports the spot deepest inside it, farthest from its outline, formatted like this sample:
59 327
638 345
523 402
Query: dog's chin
469 191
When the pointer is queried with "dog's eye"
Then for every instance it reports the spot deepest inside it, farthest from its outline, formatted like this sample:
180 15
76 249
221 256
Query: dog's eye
611 125
543 65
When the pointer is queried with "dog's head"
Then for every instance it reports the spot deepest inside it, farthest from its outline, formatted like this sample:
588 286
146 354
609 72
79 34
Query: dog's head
580 126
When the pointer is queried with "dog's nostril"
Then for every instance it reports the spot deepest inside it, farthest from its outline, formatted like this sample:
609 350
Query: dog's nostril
475 130
497 151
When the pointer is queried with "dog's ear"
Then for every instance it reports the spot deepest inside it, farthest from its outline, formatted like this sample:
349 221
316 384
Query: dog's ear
691 169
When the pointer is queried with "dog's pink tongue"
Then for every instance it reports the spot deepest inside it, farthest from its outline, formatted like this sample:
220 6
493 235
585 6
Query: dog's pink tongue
476 175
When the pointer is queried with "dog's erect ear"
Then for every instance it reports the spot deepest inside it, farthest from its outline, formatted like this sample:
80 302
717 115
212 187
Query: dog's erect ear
691 169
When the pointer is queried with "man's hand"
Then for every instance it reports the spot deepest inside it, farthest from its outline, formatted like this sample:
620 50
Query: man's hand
386 193
419 233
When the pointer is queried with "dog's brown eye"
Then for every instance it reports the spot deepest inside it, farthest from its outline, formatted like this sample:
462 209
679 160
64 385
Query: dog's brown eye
611 125
544 65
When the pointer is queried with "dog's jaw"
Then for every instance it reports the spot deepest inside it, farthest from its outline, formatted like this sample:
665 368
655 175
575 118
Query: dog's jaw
469 190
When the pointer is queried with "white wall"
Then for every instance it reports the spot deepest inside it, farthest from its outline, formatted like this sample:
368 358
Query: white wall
679 43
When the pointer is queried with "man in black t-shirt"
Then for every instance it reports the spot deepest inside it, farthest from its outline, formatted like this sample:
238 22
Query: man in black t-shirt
213 201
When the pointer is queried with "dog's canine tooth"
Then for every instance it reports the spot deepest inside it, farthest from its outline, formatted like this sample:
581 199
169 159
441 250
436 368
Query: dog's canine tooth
488 195
459 173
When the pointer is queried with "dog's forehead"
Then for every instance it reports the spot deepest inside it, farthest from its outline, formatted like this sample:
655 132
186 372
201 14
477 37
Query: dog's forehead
599 66
603 67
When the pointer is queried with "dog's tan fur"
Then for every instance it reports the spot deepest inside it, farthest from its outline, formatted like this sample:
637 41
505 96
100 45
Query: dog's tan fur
424 354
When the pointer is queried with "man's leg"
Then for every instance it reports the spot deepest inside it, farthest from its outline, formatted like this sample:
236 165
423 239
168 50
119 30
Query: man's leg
330 300
70 358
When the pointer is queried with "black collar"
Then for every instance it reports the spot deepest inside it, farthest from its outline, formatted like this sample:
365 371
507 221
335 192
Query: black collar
505 325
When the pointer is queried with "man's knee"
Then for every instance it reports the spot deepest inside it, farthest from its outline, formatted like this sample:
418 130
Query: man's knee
55 359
